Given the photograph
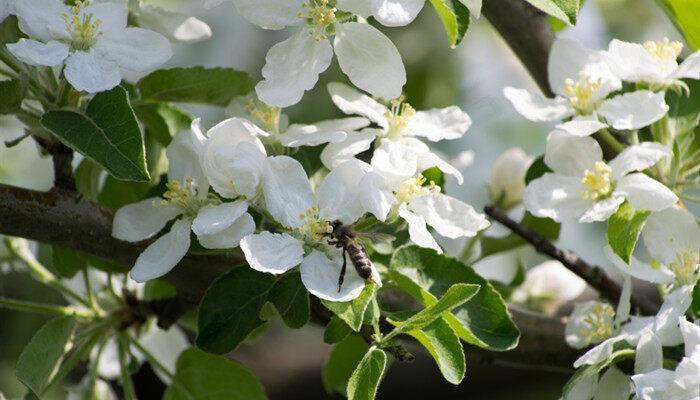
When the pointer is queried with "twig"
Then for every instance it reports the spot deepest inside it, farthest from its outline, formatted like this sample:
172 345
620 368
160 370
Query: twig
593 275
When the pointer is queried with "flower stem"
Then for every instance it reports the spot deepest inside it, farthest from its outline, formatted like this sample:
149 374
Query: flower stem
127 384
41 308
612 143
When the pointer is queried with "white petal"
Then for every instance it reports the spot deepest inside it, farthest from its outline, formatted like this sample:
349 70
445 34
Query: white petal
237 130
163 254
602 210
335 154
363 8
666 321
631 62
634 110
645 193
440 123
135 49
691 337
567 58
174 25
668 232
583 389
339 193
88 73
32 52
395 162
555 196
331 131
507 178
448 216
571 155
536 107
613 385
230 237
41 19
292 67
270 14
638 158
215 218
375 195
192 30
165 346
417 230
320 276
636 327
184 162
622 312
275 253
351 101
396 12
429 159
582 125
599 353
139 221
649 355
112 16
640 270
108 366
652 385
287 190
369 59
689 68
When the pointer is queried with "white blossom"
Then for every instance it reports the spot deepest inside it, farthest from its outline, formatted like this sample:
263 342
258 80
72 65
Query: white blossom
396 12
169 20
6 9
583 187
507 181
548 286
92 41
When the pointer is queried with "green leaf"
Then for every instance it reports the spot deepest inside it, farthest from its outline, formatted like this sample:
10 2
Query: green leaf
353 312
695 306
365 379
426 275
564 10
205 376
336 330
593 370
230 309
162 120
12 93
442 343
67 262
455 19
116 193
686 14
87 179
106 133
215 86
546 227
455 296
40 359
435 175
624 228
9 31
684 110
341 362
291 299
536 170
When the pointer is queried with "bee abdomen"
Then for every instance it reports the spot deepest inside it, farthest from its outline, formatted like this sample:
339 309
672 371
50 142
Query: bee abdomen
361 261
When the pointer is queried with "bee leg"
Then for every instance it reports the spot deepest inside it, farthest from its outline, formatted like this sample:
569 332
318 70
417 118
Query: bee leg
341 278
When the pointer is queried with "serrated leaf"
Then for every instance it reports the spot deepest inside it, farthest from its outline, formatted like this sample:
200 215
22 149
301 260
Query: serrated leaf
624 228
353 312
12 93
564 10
426 275
200 375
216 86
341 362
336 330
106 133
365 379
40 359
291 300
455 19
686 14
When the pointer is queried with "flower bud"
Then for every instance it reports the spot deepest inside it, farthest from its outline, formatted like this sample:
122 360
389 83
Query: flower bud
590 323
508 178
548 286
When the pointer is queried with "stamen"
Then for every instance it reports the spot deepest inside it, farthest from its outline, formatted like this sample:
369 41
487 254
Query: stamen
82 29
664 50
268 116
582 93
314 227
399 116
320 16
186 197
414 187
686 267
598 182
597 324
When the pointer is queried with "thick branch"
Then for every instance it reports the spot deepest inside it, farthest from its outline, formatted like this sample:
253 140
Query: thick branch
593 275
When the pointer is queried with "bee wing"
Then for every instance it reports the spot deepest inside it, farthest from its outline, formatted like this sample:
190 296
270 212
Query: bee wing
376 236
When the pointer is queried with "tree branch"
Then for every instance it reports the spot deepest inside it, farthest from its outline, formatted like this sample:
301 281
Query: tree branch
593 275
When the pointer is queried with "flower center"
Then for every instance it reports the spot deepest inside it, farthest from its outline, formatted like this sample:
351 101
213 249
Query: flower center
314 227
82 29
320 16
598 182
686 266
664 50
398 116
597 324
582 93
268 116
186 197
414 187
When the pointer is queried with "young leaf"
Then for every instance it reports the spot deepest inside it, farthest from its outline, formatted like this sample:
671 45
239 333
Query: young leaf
564 10
40 358
685 14
205 376
352 312
216 86
9 31
341 362
483 321
291 299
455 19
624 228
230 309
162 120
684 109
12 92
585 373
106 133
336 330
365 379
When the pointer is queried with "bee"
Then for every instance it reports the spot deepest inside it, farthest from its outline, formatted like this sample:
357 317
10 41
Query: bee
344 237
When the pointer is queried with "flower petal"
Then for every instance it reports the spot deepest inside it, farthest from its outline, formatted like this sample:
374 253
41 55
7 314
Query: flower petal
333 131
163 254
32 52
287 190
396 12
603 209
568 58
270 14
88 73
320 276
689 68
668 232
638 269
428 159
613 385
652 385
375 195
369 59
395 162
634 110
41 19
631 62
507 178
645 193
275 253
339 193
335 154
649 355
571 155
638 158
135 50
599 353
448 216
691 337
666 322
582 125
231 236
417 230
440 123
139 221
215 218
555 196
363 8
184 162
536 107
173 25
112 16
351 101
292 67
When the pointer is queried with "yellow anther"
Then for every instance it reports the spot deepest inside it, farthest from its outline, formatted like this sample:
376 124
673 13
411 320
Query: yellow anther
597 324
268 116
319 15
185 196
664 50
598 182
582 93
399 116
82 29
686 267
314 227
414 187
